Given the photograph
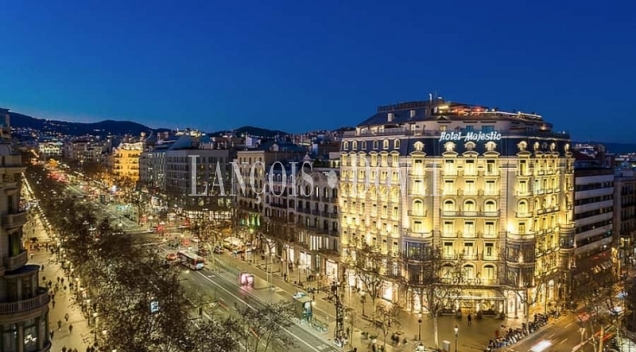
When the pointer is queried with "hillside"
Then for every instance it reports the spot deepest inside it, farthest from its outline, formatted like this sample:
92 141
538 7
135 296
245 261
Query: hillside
77 128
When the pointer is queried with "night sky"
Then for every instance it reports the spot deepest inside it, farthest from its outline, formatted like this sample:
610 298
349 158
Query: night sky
301 65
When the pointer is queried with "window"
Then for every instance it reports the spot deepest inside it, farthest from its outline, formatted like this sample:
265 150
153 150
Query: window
469 271
448 228
470 167
375 145
469 229
449 205
448 250
385 144
396 144
522 207
522 228
489 228
490 206
418 187
449 167
490 188
417 226
470 188
523 187
364 145
489 272
354 145
449 188
490 167
345 145
469 206
489 250
418 207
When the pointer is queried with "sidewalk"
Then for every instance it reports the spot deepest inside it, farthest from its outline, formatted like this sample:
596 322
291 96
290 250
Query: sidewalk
473 337
62 302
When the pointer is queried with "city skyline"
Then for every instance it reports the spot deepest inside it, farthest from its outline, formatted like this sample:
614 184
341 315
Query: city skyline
307 67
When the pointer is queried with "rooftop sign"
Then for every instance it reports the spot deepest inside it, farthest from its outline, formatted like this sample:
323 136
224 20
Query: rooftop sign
470 136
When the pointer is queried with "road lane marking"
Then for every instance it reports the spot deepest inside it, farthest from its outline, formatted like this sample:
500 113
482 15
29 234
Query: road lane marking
243 301
551 335
563 341
567 325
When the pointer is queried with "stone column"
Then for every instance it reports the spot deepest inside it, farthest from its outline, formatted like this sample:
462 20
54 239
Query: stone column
20 337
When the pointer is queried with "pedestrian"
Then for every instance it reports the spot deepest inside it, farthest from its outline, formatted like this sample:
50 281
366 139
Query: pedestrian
58 279
64 287
70 329
470 319
53 303
59 325
42 267
64 349
50 284
497 334
52 332
62 281
66 317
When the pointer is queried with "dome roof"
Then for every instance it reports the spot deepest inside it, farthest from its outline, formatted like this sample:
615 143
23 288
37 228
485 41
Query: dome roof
5 149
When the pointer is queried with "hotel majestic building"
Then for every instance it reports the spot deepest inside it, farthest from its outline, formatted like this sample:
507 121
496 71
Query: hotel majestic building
488 189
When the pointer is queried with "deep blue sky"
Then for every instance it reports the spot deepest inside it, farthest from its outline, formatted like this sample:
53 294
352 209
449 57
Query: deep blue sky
298 65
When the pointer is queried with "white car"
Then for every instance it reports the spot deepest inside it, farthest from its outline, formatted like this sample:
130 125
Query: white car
299 294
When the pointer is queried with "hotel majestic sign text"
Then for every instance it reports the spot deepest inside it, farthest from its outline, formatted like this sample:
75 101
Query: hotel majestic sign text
470 136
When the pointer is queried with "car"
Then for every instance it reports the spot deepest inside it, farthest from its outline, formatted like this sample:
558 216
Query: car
171 256
218 250
203 252
299 294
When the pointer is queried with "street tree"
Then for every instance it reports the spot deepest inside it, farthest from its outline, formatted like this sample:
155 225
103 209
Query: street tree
434 279
387 319
599 299
369 265
265 327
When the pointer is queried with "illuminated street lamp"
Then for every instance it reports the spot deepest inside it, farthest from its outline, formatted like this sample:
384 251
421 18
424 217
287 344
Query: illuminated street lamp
456 336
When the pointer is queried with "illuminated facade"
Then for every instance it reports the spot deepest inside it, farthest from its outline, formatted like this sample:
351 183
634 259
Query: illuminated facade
24 305
126 161
487 188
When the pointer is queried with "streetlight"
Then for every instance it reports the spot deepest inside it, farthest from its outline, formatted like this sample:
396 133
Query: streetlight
456 333
419 322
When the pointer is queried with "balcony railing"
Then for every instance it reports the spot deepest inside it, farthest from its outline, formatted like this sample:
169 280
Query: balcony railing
40 300
16 261
421 213
14 220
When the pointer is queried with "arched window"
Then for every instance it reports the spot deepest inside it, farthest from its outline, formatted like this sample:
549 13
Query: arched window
469 205
354 145
490 206
396 144
447 271
375 144
395 195
489 273
385 144
449 205
418 207
537 204
522 207
345 145
469 271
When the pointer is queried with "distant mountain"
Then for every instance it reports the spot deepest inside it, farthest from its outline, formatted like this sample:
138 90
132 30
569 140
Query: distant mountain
78 128
259 132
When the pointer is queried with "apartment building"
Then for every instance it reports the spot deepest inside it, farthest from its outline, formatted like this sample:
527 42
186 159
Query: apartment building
300 218
593 215
624 222
492 190
86 150
252 164
125 160
24 305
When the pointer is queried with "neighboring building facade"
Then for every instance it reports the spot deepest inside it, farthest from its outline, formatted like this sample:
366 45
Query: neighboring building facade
126 161
489 187
625 217
86 150
593 214
249 209
24 305
51 149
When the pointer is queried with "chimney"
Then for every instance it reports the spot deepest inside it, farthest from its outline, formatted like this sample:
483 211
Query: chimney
390 117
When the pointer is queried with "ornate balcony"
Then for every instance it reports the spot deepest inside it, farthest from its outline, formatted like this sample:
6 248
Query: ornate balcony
16 261
14 307
14 220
